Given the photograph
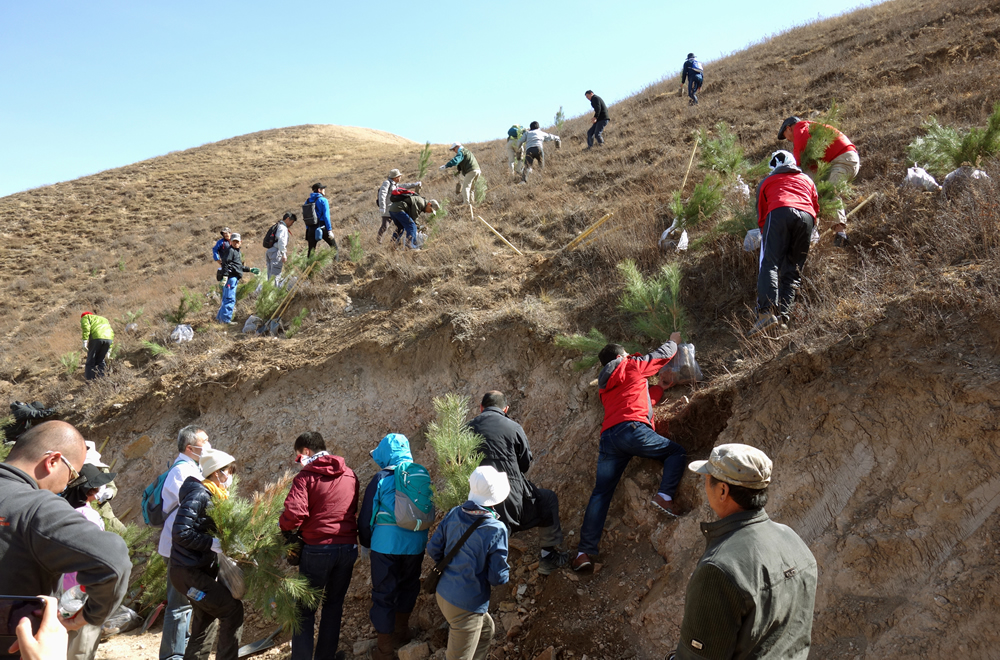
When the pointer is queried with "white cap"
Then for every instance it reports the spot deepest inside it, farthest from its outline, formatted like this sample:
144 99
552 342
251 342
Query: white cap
234 237
487 487
93 456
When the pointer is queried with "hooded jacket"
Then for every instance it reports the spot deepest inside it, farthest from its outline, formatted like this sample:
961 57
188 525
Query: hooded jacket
42 537
193 529
96 327
219 250
232 264
322 210
800 138
381 495
464 161
624 390
481 562
786 186
323 502
506 448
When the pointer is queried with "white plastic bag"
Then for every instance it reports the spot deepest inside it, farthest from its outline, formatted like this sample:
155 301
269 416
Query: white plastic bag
682 369
965 171
231 577
252 323
182 333
123 620
741 187
751 242
815 236
682 244
918 177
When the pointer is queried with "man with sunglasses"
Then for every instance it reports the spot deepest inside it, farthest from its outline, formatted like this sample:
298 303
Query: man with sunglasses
42 536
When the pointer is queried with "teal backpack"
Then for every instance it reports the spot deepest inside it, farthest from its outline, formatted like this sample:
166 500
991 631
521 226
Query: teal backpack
414 505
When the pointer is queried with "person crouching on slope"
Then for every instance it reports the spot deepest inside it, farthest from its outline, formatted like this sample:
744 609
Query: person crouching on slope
468 169
787 206
533 141
232 272
97 339
404 210
391 183
396 553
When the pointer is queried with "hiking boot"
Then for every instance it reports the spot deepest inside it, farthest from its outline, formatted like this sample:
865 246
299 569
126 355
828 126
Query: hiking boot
383 648
667 506
403 635
582 563
764 321
552 561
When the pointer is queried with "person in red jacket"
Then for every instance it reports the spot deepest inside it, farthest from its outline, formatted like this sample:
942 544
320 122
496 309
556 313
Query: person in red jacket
787 206
627 431
841 154
322 508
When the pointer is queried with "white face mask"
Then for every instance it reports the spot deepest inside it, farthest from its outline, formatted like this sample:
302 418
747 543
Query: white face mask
227 481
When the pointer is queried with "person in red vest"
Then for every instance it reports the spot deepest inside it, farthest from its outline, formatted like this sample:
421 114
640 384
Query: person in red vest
841 154
787 206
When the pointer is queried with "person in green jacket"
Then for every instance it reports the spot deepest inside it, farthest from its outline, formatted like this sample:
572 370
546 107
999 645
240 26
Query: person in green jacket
97 339
468 169
752 594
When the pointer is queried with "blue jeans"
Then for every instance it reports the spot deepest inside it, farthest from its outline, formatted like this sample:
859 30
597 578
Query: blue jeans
618 445
176 619
596 131
395 587
404 223
225 314
327 567
694 84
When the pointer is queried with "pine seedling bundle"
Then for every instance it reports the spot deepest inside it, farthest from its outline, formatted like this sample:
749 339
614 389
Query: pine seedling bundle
655 301
456 447
945 148
590 345
248 532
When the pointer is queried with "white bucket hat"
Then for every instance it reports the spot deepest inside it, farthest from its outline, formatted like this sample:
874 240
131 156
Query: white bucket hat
456 145
93 456
487 487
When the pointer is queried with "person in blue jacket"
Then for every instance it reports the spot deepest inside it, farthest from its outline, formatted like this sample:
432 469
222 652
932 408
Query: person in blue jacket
323 230
396 553
694 72
221 245
463 592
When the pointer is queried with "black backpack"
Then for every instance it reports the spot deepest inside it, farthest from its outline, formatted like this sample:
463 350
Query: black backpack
309 214
271 237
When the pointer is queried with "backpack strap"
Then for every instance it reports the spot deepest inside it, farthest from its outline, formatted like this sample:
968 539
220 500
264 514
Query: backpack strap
167 513
440 567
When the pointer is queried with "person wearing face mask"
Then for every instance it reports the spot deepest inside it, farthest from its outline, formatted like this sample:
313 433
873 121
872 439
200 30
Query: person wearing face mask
106 493
83 642
194 562
42 537
191 442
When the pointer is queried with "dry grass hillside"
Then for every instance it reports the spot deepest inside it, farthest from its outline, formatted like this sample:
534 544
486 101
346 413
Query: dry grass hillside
879 405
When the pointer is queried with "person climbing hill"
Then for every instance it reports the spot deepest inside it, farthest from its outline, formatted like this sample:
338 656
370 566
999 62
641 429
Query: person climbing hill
468 169
514 149
404 209
694 73
391 183
316 215
532 141
97 339
600 121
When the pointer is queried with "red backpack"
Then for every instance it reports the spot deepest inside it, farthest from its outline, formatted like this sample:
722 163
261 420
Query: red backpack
400 194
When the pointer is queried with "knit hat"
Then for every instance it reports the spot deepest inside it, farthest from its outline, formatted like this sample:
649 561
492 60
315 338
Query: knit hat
213 460
393 173
487 487
737 465
93 456
234 237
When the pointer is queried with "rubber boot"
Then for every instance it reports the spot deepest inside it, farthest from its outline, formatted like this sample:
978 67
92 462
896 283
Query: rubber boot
383 649
402 636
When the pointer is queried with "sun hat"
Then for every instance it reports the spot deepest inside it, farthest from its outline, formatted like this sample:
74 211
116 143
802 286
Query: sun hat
393 173
487 487
93 456
737 465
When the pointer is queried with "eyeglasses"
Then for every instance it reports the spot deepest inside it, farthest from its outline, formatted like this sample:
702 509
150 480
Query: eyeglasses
74 476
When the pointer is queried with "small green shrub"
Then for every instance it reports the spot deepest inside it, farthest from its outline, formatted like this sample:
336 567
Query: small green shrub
269 298
300 262
945 148
739 221
121 264
156 350
653 301
70 362
355 252
190 303
131 317
424 160
706 199
296 323
560 120
589 344
456 447
481 188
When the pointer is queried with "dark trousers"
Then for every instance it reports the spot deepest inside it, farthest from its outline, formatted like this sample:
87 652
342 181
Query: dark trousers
216 604
533 154
783 251
395 587
327 567
311 239
404 223
543 513
386 221
694 84
596 132
618 445
97 350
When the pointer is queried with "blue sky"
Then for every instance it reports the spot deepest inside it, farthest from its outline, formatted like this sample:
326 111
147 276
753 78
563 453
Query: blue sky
87 86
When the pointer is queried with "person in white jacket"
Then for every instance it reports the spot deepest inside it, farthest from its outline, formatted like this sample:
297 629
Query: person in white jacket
384 197
277 254
533 140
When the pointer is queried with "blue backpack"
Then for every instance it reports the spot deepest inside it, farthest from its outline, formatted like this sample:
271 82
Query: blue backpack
414 504
696 66
152 501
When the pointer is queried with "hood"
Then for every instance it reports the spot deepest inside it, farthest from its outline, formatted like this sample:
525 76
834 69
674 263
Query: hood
786 169
607 376
312 198
392 450
327 465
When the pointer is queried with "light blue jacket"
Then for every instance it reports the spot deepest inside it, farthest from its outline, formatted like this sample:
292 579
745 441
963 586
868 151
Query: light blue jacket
481 562
381 495
322 209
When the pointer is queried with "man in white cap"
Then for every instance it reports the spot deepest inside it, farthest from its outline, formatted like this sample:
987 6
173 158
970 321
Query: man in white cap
391 182
753 591
463 592
468 169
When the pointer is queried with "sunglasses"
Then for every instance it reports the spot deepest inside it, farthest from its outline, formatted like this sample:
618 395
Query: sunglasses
75 478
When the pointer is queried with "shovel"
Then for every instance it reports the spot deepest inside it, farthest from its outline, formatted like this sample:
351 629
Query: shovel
259 646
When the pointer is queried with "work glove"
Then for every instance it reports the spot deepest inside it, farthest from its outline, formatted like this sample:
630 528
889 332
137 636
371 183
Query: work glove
255 271
442 167
217 546
558 144
84 344
840 239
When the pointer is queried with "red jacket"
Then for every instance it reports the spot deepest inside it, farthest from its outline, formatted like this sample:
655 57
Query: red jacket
323 503
786 186
624 390
800 136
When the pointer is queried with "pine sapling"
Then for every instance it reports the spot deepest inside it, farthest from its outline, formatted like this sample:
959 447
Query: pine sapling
590 345
559 121
269 298
456 447
706 199
655 301
424 160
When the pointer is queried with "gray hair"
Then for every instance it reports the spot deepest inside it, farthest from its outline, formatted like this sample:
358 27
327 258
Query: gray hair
187 436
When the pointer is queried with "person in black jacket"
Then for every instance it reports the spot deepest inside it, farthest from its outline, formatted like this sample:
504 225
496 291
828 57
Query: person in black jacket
505 447
596 132
232 270
194 565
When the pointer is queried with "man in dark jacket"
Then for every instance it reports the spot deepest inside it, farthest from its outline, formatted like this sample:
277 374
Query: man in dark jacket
42 537
25 416
628 431
693 72
318 226
753 591
232 272
601 119
322 508
787 206
404 209
505 447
